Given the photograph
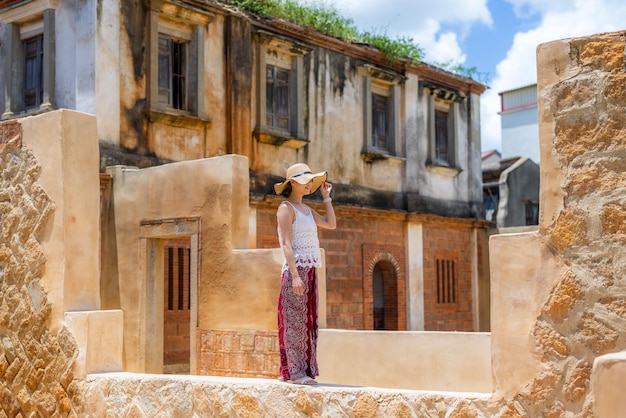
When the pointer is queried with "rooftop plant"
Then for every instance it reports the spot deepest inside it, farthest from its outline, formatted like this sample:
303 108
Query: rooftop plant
325 18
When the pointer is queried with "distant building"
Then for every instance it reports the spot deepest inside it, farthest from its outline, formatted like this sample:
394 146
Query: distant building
510 190
519 123
490 157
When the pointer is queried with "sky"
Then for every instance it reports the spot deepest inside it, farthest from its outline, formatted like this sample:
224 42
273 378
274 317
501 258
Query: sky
497 37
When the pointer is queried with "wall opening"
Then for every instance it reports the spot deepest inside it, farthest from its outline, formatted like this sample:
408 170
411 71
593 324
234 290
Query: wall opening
385 296
172 265
379 298
177 305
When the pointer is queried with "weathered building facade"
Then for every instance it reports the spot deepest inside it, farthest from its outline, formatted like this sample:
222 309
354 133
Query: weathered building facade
172 81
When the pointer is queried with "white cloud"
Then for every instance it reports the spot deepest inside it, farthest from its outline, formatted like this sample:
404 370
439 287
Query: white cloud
439 47
406 15
519 67
420 20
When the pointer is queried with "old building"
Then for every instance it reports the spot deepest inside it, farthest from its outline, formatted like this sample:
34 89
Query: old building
510 190
519 123
183 80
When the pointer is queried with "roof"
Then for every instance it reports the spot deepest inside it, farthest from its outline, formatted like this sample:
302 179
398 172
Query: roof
489 153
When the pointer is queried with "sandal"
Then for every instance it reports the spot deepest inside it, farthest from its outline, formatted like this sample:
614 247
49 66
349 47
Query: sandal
306 380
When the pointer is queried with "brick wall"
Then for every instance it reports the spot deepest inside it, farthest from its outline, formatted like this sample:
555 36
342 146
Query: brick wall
241 353
451 246
365 238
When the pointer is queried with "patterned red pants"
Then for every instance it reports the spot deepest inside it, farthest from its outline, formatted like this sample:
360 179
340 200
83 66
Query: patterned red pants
297 326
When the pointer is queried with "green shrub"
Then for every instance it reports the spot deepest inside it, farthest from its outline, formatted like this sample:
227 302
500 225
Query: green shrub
325 18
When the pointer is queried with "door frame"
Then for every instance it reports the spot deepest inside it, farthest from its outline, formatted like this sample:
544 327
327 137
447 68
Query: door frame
152 236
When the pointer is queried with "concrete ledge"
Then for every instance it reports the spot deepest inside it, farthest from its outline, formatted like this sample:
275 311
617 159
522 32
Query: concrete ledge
415 360
143 395
99 335
608 376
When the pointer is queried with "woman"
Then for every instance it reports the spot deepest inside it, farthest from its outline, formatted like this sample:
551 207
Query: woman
297 303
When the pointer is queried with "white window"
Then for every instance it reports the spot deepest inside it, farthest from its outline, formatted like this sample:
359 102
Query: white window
381 114
28 66
281 104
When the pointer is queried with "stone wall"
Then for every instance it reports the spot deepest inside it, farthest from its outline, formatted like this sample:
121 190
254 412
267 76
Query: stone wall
36 364
573 277
582 108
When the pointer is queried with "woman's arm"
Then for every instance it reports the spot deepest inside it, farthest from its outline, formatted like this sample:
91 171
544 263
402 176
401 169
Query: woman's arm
329 221
285 217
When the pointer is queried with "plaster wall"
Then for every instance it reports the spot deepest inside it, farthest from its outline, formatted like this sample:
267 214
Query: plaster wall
52 330
609 372
212 191
406 360
66 145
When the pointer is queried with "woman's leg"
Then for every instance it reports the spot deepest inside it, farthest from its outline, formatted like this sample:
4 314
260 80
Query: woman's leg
292 328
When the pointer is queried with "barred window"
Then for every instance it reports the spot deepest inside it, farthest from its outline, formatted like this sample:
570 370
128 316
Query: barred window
33 72
379 121
177 280
441 137
277 97
446 281
172 72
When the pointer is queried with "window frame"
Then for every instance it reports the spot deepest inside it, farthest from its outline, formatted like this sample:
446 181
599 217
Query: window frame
176 101
445 100
37 72
187 27
287 55
277 86
36 19
387 84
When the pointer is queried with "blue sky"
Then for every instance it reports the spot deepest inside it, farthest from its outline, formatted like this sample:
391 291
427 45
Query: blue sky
498 37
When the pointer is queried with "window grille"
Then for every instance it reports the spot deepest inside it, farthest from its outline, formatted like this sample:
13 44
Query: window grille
178 280
441 136
379 121
446 282
33 72
172 72
277 97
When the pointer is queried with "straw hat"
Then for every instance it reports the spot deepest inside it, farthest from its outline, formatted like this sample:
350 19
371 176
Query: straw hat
302 174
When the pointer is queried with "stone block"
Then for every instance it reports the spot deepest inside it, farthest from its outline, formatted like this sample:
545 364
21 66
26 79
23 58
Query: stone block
608 376
99 335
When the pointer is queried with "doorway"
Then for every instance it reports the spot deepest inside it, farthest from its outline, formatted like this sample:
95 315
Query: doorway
177 305
172 264
385 300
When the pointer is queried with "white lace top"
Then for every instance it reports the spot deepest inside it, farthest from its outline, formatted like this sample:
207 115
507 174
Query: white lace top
304 240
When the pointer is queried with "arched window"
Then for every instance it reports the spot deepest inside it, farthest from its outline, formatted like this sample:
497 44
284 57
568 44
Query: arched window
385 296
379 298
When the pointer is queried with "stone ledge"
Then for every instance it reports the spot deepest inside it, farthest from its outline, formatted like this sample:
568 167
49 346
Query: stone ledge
141 395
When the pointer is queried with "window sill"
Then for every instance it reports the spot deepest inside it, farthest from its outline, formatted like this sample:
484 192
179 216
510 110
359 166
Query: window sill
280 139
25 113
443 170
177 119
370 155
